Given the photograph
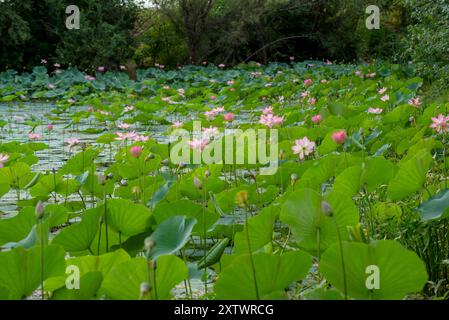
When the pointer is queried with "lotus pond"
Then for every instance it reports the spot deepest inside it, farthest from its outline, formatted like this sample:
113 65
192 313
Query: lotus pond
92 205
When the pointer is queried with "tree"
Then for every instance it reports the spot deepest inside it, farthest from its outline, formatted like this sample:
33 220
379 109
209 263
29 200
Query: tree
191 17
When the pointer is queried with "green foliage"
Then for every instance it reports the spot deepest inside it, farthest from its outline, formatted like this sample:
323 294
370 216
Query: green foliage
426 42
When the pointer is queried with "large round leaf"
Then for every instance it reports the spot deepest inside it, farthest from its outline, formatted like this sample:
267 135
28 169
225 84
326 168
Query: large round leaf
127 217
410 177
79 236
124 280
20 271
400 271
436 207
171 235
302 212
273 275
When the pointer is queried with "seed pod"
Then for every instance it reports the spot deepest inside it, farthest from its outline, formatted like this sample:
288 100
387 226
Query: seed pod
242 198
136 190
282 154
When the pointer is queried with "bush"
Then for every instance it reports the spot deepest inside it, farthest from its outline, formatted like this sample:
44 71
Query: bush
427 41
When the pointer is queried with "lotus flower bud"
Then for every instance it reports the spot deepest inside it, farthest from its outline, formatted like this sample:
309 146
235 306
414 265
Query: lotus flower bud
39 210
148 245
165 162
149 157
326 208
135 151
197 183
207 174
101 179
123 183
182 165
145 289
294 178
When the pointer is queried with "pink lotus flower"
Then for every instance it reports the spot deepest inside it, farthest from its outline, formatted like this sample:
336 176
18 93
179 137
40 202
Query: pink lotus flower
267 110
415 102
358 73
382 90
124 126
138 138
271 120
303 147
339 137
44 61
128 108
89 78
101 69
50 127
135 151
90 109
104 113
122 67
198 144
57 65
177 124
324 81
375 110
385 98
213 97
230 83
4 158
371 75
34 136
312 101
210 115
229 117
221 65
291 58
51 86
211 132
218 109
125 136
328 62
305 94
308 82
317 119
440 124
71 142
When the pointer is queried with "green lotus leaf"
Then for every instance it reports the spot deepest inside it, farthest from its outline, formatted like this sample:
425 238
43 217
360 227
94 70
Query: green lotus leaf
171 235
380 270
273 275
